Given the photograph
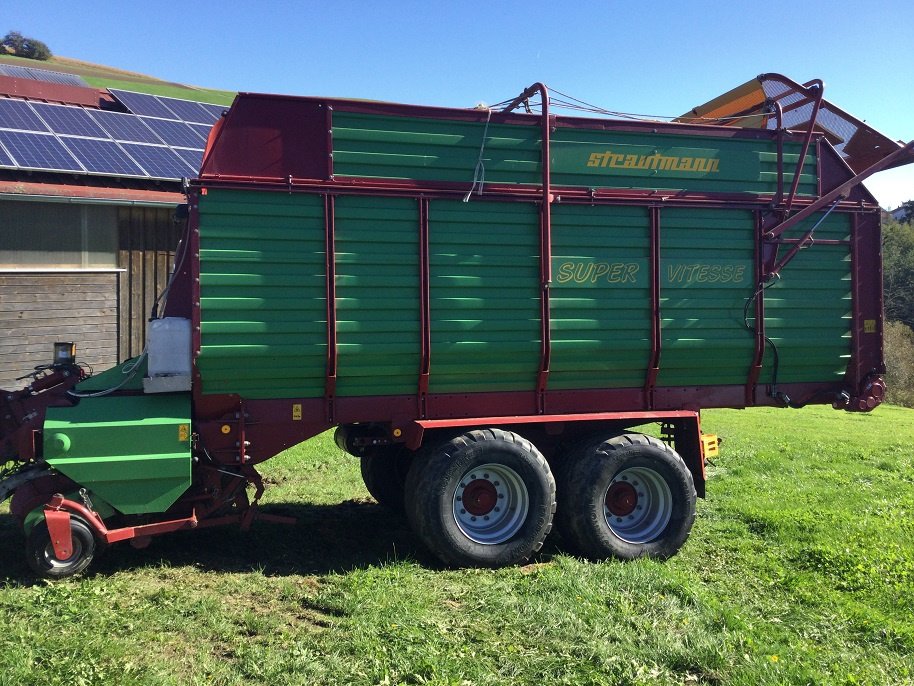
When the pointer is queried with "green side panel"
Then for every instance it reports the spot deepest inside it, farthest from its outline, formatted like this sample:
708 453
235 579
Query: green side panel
601 297
433 149
485 299
133 451
424 149
809 310
378 299
115 376
707 265
263 294
618 159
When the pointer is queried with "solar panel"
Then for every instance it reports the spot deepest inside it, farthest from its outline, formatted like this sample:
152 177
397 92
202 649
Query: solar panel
202 129
187 110
193 157
124 127
69 120
38 151
5 160
159 162
216 111
17 72
17 114
141 103
174 133
103 157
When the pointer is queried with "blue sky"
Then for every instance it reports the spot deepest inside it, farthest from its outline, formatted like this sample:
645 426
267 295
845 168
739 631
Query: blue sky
654 58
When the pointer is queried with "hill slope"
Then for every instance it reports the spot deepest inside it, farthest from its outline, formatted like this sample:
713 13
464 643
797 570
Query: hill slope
102 76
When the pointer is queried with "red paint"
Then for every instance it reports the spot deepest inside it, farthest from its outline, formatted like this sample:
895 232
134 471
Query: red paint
621 499
58 522
50 92
479 497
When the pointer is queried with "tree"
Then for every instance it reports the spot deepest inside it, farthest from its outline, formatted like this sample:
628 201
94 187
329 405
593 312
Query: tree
908 208
15 43
898 270
899 363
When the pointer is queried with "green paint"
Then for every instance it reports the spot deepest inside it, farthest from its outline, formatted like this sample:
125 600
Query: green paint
485 298
377 290
263 305
381 146
808 311
600 296
707 262
137 458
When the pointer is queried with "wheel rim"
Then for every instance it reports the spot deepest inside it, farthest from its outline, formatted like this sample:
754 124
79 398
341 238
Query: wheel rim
51 560
638 505
490 503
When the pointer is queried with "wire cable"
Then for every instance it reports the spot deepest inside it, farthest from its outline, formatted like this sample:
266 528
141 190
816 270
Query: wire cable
479 173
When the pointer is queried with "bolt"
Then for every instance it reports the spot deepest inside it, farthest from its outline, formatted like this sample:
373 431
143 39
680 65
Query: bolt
498 509
459 497
463 512
501 495
495 483
485 476
624 478
472 519
486 517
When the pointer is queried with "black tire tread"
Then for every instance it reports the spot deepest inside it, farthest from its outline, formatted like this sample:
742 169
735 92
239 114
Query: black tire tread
425 476
576 523
38 540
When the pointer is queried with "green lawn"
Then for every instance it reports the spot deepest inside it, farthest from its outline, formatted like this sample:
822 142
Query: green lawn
800 570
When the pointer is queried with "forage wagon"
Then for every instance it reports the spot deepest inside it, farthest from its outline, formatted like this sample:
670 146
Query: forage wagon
486 304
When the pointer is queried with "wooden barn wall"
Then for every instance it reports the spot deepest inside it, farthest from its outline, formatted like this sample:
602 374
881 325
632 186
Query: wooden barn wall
38 309
147 237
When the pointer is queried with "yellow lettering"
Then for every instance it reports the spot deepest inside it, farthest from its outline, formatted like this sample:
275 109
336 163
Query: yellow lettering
631 269
738 274
601 270
595 159
566 272
615 272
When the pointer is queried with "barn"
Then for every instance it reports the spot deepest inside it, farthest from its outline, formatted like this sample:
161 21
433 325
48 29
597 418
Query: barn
89 181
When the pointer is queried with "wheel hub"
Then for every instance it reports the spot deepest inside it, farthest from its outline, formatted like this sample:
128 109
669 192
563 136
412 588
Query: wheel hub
638 504
621 499
480 497
490 503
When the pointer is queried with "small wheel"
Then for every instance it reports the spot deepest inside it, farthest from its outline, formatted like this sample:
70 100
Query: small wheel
40 551
483 499
630 496
384 472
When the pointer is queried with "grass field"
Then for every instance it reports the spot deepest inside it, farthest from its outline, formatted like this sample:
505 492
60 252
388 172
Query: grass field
800 570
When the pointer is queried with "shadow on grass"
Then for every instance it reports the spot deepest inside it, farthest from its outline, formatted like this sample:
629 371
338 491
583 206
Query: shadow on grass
326 538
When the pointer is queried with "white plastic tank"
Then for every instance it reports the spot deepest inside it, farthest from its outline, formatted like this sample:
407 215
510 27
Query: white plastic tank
168 342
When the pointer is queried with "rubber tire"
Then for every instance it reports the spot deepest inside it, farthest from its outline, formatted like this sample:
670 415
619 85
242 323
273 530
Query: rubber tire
435 476
39 541
582 491
384 472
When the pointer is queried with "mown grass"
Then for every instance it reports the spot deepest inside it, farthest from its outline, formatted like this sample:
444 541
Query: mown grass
800 570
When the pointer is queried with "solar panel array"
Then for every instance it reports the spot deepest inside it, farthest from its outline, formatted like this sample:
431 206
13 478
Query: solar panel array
18 72
160 137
